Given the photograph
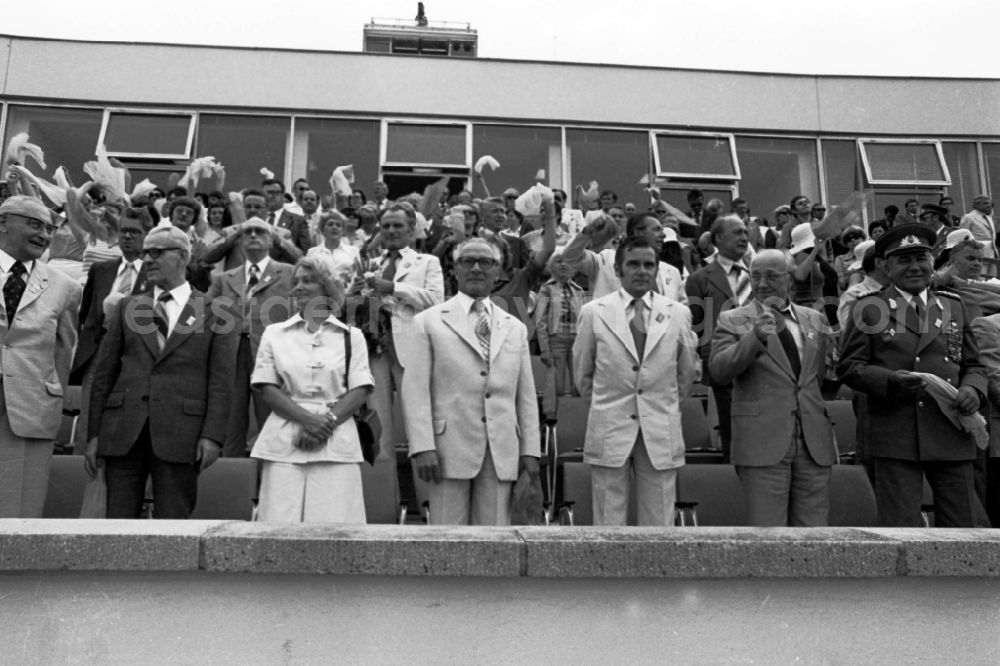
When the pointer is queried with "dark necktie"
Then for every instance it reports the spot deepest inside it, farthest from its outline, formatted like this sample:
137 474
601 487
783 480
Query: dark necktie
271 219
566 310
788 344
390 267
637 325
160 319
385 312
254 276
13 289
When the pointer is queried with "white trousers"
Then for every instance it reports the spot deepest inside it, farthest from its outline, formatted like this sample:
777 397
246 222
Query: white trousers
319 492
656 490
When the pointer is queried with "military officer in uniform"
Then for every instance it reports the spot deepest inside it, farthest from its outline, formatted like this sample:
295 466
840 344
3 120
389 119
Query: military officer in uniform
904 329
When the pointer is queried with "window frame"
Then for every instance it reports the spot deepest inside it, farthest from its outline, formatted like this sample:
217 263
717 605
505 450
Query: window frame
188 145
671 175
939 151
384 164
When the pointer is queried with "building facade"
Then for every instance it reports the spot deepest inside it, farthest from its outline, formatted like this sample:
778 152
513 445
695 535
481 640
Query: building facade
410 119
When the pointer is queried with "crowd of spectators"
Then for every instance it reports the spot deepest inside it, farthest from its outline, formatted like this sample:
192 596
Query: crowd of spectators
258 322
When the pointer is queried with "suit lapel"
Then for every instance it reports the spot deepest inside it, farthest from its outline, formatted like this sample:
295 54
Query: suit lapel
937 318
659 320
404 265
37 282
810 343
140 286
269 277
143 310
612 313
190 321
499 330
458 321
235 280
717 276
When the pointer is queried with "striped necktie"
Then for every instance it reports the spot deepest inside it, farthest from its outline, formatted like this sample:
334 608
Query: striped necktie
160 319
742 293
483 328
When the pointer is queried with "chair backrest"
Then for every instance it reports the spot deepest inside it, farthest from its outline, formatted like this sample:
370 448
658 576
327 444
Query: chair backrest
227 490
67 479
852 500
845 425
571 429
717 490
694 422
381 493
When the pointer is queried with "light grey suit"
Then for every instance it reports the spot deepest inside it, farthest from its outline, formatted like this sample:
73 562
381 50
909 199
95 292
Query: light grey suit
36 351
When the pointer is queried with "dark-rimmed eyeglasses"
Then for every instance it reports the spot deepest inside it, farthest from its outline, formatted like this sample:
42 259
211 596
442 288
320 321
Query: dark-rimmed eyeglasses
484 262
156 252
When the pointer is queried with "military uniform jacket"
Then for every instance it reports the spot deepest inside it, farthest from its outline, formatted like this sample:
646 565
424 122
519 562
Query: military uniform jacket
885 335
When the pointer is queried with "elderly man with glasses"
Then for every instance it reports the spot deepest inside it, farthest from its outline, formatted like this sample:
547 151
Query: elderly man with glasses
38 333
163 378
469 397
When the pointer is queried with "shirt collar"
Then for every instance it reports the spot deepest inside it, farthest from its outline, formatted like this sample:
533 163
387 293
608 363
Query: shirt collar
908 297
7 262
466 302
135 263
627 298
296 320
181 293
262 265
727 264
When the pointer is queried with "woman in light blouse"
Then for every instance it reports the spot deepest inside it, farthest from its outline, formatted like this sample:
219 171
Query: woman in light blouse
333 246
309 444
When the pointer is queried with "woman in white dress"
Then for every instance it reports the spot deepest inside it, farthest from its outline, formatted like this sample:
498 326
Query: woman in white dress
309 444
334 247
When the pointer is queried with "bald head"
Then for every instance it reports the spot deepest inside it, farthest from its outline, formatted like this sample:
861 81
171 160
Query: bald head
771 276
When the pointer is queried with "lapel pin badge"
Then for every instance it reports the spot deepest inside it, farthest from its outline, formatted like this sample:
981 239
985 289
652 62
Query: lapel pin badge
659 317
937 323
892 303
190 320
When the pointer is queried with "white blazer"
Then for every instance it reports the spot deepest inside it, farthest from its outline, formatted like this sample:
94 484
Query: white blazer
419 285
454 402
627 394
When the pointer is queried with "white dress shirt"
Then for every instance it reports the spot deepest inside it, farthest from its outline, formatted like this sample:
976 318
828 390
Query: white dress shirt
180 296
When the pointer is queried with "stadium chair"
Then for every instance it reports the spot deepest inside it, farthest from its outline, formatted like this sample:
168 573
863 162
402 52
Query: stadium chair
380 493
227 490
710 495
697 433
852 501
67 480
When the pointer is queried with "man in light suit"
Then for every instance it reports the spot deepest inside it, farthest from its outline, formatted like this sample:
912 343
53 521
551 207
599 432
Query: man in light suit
160 401
980 222
37 334
256 295
774 353
469 398
634 357
406 282
721 285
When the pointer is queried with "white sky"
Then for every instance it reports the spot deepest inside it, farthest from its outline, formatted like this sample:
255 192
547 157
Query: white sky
948 38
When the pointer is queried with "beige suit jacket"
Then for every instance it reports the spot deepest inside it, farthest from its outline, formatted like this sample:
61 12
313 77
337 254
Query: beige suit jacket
627 394
419 284
37 350
454 402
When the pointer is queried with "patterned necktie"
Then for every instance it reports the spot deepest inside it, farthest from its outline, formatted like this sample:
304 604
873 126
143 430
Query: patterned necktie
160 319
483 328
125 286
13 289
742 284
637 325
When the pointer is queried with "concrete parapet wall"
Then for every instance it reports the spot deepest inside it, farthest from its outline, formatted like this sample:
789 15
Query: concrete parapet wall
541 552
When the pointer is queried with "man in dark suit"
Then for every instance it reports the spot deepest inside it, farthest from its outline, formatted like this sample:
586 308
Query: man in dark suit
774 353
257 295
107 283
494 217
894 334
274 193
161 388
37 334
721 285
229 250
